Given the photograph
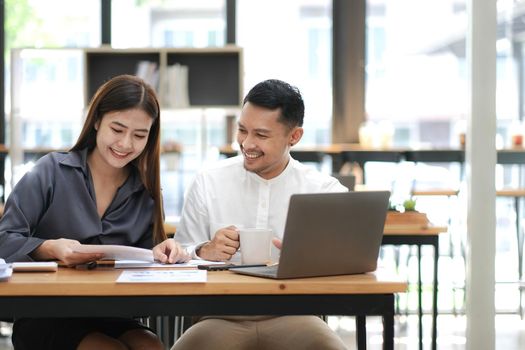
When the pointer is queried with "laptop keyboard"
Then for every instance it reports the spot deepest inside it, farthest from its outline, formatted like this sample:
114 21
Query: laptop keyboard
270 271
267 270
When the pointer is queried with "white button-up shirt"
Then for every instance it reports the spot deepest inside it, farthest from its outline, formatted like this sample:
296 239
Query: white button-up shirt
226 194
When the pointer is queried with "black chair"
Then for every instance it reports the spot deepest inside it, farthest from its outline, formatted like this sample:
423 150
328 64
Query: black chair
362 156
308 156
443 157
346 180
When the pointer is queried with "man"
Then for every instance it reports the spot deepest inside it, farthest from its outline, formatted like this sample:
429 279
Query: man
252 190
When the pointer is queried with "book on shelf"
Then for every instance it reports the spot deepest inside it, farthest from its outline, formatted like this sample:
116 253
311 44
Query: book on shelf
149 72
177 95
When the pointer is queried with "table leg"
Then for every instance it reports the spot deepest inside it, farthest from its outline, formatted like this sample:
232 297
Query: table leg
434 296
360 323
388 327
519 237
419 241
337 162
420 299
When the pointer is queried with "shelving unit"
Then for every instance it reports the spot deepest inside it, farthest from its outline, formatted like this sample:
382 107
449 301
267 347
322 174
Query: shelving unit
214 78
215 74
103 64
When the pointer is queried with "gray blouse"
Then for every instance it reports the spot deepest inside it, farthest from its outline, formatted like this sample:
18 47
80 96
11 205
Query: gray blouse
56 199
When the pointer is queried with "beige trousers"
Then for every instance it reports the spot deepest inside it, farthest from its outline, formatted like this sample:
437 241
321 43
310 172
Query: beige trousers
260 332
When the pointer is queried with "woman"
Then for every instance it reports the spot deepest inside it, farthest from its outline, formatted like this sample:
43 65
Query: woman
105 190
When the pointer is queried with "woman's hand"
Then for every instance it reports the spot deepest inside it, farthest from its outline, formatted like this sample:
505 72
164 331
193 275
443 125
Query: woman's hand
63 249
170 252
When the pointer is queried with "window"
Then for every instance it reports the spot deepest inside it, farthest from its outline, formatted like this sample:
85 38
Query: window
49 86
415 74
291 41
170 23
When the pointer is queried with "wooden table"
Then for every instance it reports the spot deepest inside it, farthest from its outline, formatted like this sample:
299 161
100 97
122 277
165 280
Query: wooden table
419 237
94 293
345 152
302 154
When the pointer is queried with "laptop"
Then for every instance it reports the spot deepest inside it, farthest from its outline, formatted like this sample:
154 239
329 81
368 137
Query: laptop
329 234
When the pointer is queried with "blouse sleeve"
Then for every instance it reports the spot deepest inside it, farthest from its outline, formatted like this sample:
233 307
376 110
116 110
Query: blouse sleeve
23 209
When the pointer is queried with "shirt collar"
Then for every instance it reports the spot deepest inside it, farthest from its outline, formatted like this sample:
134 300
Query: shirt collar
78 159
282 175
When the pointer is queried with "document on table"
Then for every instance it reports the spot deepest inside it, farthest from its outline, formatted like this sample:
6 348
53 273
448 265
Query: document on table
5 270
132 257
162 276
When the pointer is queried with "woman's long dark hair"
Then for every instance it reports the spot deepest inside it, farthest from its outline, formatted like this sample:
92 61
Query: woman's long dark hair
125 92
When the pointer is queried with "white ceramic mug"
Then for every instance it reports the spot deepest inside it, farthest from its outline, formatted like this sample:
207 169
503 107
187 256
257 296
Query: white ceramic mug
255 245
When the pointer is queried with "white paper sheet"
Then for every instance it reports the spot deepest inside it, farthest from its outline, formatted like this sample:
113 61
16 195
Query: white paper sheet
116 252
5 270
162 276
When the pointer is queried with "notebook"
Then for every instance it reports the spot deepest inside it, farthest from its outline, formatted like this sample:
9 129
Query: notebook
329 234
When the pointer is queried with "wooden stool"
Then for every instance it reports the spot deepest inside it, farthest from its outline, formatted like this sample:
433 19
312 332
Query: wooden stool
517 194
435 192
449 193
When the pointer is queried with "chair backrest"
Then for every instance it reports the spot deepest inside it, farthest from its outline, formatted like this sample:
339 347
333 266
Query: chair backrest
511 157
346 180
362 156
442 159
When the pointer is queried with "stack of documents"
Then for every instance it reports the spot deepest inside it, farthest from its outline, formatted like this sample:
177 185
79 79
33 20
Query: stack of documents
5 270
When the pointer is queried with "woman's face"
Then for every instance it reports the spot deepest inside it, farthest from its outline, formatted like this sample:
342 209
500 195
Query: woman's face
122 136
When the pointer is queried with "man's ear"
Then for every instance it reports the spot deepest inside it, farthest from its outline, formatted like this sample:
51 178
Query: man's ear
295 135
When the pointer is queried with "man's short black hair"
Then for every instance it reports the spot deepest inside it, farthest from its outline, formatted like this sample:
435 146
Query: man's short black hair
273 94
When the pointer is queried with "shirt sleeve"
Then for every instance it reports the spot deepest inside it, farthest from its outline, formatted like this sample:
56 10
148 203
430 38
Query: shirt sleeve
23 209
194 224
334 186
